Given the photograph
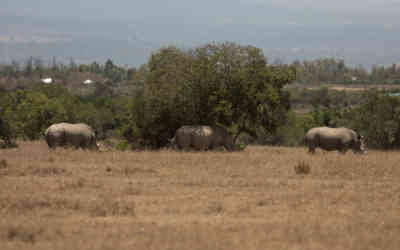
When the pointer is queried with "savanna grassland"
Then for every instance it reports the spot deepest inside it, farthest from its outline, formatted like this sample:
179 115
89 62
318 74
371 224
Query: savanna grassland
254 199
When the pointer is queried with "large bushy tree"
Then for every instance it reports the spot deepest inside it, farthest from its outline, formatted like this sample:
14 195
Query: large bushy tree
222 84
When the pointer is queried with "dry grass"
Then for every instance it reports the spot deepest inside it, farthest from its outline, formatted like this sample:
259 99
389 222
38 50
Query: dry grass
215 200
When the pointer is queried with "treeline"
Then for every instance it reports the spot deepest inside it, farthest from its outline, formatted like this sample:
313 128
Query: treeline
28 112
324 70
332 70
149 120
221 84
35 68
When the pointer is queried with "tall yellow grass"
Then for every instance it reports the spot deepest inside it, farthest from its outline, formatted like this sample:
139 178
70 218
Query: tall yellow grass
255 199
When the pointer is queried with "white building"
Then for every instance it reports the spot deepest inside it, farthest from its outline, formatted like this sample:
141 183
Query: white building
47 80
88 81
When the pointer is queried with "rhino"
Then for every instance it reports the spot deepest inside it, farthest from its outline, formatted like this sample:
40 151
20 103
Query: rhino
77 135
340 139
202 138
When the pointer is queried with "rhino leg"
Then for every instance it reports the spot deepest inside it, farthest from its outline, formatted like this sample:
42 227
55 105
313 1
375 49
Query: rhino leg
311 150
184 147
311 147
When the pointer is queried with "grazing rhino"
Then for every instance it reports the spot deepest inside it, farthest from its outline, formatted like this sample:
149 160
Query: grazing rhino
340 139
77 135
203 138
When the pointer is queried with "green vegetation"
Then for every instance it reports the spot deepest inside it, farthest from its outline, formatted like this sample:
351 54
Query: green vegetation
223 84
330 70
218 84
379 119
30 111
373 113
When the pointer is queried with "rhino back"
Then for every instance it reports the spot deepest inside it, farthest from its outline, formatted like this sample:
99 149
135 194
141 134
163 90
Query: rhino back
344 134
333 138
183 136
79 135
202 137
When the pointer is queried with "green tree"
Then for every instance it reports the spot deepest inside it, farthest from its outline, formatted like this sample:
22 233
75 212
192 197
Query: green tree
378 120
217 84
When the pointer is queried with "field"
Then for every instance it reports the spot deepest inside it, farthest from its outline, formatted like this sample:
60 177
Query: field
189 200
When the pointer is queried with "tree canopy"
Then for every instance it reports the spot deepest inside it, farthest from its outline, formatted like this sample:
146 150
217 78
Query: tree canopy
221 84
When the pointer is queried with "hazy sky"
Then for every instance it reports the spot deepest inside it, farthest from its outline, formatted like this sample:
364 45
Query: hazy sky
241 11
220 19
371 25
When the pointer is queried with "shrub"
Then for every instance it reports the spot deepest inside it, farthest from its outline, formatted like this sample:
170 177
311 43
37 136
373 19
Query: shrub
123 145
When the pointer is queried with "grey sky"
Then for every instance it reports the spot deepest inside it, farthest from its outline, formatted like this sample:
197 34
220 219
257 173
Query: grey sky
235 10
371 25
